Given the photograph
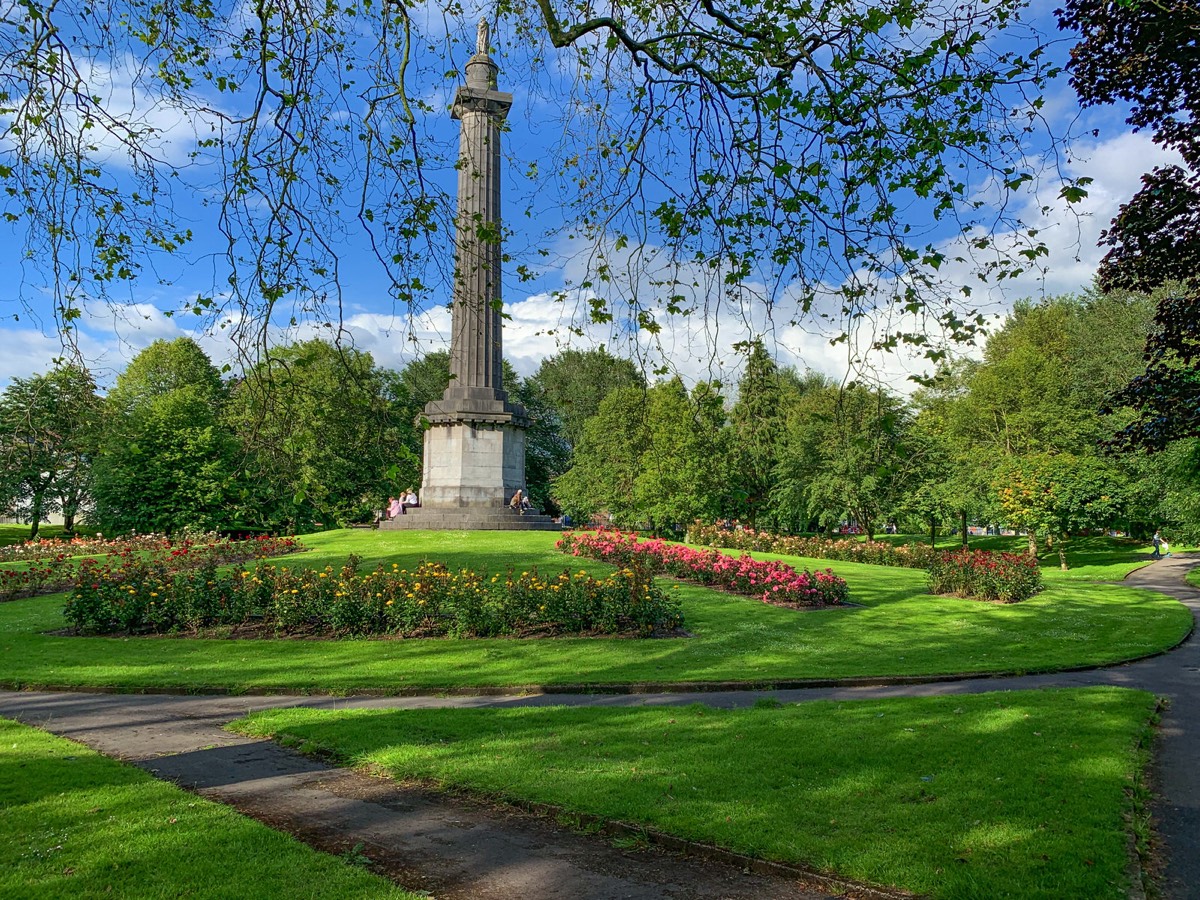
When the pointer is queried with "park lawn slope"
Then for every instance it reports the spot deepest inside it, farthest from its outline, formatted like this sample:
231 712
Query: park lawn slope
74 823
898 630
1006 794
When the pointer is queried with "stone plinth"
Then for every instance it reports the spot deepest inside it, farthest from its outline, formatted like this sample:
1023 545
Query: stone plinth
477 463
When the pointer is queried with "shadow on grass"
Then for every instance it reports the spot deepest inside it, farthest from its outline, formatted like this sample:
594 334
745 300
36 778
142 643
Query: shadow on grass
991 795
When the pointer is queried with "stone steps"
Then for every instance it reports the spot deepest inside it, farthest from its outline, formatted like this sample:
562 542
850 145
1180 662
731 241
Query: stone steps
425 518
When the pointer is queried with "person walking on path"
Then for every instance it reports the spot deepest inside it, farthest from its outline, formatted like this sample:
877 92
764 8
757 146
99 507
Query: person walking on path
1157 541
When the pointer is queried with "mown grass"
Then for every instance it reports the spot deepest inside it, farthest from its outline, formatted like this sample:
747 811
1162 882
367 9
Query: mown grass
1096 558
15 534
900 630
1193 577
1022 794
76 824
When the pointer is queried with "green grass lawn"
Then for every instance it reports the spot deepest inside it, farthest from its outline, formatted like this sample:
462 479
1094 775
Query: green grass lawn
1193 577
74 823
899 631
1089 558
1023 794
15 534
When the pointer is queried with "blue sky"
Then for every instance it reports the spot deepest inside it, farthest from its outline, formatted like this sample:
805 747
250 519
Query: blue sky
697 346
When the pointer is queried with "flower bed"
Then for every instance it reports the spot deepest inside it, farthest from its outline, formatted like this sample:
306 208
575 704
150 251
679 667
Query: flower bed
878 553
771 581
983 575
59 572
427 601
50 548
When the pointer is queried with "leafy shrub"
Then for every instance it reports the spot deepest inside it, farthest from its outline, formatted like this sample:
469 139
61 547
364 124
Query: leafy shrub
877 553
771 581
983 575
428 601
48 573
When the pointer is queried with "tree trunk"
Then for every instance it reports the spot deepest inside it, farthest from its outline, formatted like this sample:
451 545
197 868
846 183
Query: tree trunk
1062 556
1032 544
932 532
36 522
962 522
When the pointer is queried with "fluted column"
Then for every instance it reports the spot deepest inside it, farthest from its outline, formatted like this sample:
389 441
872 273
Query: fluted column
476 345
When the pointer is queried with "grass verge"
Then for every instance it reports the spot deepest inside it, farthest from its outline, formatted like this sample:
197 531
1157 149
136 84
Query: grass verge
1022 794
899 631
77 824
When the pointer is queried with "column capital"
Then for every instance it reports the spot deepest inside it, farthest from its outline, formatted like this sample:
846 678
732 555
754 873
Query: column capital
469 100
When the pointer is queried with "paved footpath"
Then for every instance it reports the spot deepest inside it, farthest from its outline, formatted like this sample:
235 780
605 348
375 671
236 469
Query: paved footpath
456 848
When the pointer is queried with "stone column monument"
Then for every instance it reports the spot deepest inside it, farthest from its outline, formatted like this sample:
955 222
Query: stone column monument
475 443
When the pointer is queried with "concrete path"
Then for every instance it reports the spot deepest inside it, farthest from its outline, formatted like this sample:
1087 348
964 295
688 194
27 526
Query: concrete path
457 848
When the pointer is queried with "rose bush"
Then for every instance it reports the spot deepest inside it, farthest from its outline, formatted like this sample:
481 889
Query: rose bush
427 601
878 553
771 581
61 571
983 575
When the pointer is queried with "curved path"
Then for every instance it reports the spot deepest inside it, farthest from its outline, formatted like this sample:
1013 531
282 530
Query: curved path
458 848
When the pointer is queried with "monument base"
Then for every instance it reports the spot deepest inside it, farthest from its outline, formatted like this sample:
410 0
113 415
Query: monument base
477 465
469 519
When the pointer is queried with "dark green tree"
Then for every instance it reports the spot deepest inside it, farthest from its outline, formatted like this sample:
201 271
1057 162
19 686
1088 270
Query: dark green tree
167 461
757 420
575 382
48 429
679 474
607 461
1145 55
325 435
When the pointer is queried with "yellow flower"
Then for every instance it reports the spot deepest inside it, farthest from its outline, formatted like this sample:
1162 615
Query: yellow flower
390 602
320 574
154 593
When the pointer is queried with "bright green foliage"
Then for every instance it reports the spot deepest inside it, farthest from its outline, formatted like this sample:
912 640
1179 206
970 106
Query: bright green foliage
575 382
757 421
1031 406
1008 795
167 460
78 824
809 147
845 455
679 477
324 435
650 458
49 425
607 460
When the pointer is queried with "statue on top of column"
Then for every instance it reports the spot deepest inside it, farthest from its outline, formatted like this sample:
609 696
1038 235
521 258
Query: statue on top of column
481 38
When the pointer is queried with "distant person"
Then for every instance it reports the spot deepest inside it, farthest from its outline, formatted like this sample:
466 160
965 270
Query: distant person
1166 548
566 521
1157 541
410 500
394 507
517 498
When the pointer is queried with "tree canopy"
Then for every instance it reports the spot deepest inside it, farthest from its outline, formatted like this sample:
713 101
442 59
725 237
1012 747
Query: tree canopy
818 159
